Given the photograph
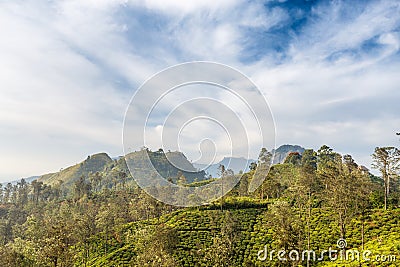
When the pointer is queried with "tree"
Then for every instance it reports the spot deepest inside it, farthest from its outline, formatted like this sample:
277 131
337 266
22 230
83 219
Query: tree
243 186
46 241
154 246
123 177
22 192
253 166
386 160
37 190
349 162
346 188
327 161
181 179
293 158
57 190
286 228
7 193
263 164
95 180
309 160
85 228
225 175
305 188
222 249
81 187
105 220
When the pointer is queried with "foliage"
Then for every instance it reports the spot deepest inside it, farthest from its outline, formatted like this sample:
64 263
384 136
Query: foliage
102 218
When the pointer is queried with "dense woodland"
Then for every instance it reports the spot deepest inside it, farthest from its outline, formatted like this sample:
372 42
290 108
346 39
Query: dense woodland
308 202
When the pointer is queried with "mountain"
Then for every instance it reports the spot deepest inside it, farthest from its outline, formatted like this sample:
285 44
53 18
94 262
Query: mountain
283 151
28 180
167 164
242 164
233 163
111 169
92 164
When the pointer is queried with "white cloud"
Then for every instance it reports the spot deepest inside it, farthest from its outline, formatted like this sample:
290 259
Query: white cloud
55 104
180 8
338 26
68 69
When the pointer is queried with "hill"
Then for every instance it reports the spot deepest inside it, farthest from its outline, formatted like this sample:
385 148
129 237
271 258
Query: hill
93 163
242 164
111 169
169 165
196 234
121 225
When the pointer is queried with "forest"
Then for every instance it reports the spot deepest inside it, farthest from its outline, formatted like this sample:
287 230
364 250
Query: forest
100 217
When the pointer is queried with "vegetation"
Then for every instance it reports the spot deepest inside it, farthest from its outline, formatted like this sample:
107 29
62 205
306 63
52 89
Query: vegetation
99 217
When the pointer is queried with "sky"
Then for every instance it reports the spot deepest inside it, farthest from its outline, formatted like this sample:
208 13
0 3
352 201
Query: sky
68 69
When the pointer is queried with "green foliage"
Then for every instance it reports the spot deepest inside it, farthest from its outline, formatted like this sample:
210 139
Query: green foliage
293 158
101 218
68 176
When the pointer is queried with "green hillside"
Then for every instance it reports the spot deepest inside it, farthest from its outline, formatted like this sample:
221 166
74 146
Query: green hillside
93 163
308 203
202 235
116 171
170 165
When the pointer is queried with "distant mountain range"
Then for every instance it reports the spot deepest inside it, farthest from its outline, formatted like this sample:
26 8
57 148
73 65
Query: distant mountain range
235 164
102 162
242 164
27 179
112 168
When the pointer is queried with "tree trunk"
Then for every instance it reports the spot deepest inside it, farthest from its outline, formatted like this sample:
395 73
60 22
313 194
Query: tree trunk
105 243
362 233
386 193
222 190
308 228
342 230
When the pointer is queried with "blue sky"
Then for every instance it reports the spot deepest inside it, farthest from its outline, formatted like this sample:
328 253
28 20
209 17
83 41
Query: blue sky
329 70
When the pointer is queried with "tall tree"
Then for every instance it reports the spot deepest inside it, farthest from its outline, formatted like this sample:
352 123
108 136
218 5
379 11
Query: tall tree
22 192
309 187
386 160
225 175
346 189
287 228
37 190
263 165
7 193
222 249
154 246
327 161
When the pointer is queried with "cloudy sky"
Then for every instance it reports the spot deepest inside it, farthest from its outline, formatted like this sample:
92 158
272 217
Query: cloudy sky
68 69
